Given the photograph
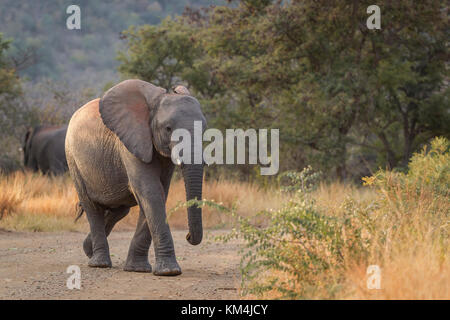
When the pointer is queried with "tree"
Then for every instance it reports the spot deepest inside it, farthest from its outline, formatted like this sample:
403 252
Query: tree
9 82
10 116
158 54
334 88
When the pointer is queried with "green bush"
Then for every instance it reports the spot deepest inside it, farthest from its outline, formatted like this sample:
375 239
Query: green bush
303 252
428 169
300 247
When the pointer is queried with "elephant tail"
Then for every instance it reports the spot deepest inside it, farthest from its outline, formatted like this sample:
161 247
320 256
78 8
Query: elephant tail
79 210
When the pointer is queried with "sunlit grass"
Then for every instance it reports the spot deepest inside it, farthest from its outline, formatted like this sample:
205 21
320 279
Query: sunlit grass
40 203
35 202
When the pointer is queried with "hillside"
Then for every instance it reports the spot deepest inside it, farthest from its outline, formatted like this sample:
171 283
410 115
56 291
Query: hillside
85 57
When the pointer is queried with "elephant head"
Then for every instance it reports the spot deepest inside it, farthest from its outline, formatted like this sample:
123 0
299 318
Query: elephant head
143 117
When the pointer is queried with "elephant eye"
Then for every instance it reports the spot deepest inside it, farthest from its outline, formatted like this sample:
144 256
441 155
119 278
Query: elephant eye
168 129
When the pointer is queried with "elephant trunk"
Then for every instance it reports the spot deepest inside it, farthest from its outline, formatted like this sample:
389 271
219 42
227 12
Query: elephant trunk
193 180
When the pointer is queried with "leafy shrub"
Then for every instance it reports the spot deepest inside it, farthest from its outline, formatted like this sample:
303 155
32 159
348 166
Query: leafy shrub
428 170
300 247
303 252
305 181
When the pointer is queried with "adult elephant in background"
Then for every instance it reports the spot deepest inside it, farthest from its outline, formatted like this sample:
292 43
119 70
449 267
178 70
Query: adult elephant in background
43 149
119 155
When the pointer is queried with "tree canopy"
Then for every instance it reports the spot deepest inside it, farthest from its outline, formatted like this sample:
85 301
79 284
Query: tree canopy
10 115
346 98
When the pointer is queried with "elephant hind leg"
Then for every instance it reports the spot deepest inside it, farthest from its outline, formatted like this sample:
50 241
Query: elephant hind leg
99 252
100 249
87 246
112 216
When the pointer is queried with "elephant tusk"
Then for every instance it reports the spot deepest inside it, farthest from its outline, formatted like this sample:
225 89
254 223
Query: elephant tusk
176 160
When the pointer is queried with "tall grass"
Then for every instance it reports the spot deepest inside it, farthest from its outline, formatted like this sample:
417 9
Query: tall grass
37 203
30 201
320 243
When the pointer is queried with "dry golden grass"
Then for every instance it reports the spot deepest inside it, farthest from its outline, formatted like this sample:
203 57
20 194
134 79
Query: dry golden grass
417 273
330 196
10 199
413 259
39 203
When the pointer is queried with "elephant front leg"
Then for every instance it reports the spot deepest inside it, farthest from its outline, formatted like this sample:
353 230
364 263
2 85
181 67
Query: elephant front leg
100 249
166 263
152 203
137 259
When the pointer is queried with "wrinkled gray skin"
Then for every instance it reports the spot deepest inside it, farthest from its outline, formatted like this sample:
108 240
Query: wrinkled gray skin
118 150
43 149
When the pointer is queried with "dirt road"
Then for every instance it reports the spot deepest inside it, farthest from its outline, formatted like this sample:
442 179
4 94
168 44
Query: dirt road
33 266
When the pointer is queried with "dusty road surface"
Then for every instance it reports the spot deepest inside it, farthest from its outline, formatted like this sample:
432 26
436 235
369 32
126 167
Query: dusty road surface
33 266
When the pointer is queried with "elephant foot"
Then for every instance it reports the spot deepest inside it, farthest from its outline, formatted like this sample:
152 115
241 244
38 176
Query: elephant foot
87 247
100 261
138 265
167 267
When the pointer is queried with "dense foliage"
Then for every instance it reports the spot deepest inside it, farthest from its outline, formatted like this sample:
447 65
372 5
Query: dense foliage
12 114
346 98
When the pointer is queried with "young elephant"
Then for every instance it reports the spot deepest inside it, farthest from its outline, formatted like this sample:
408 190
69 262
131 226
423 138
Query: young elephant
119 155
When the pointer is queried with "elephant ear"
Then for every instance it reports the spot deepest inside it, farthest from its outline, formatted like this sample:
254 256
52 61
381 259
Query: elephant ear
181 90
26 147
126 109
27 139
